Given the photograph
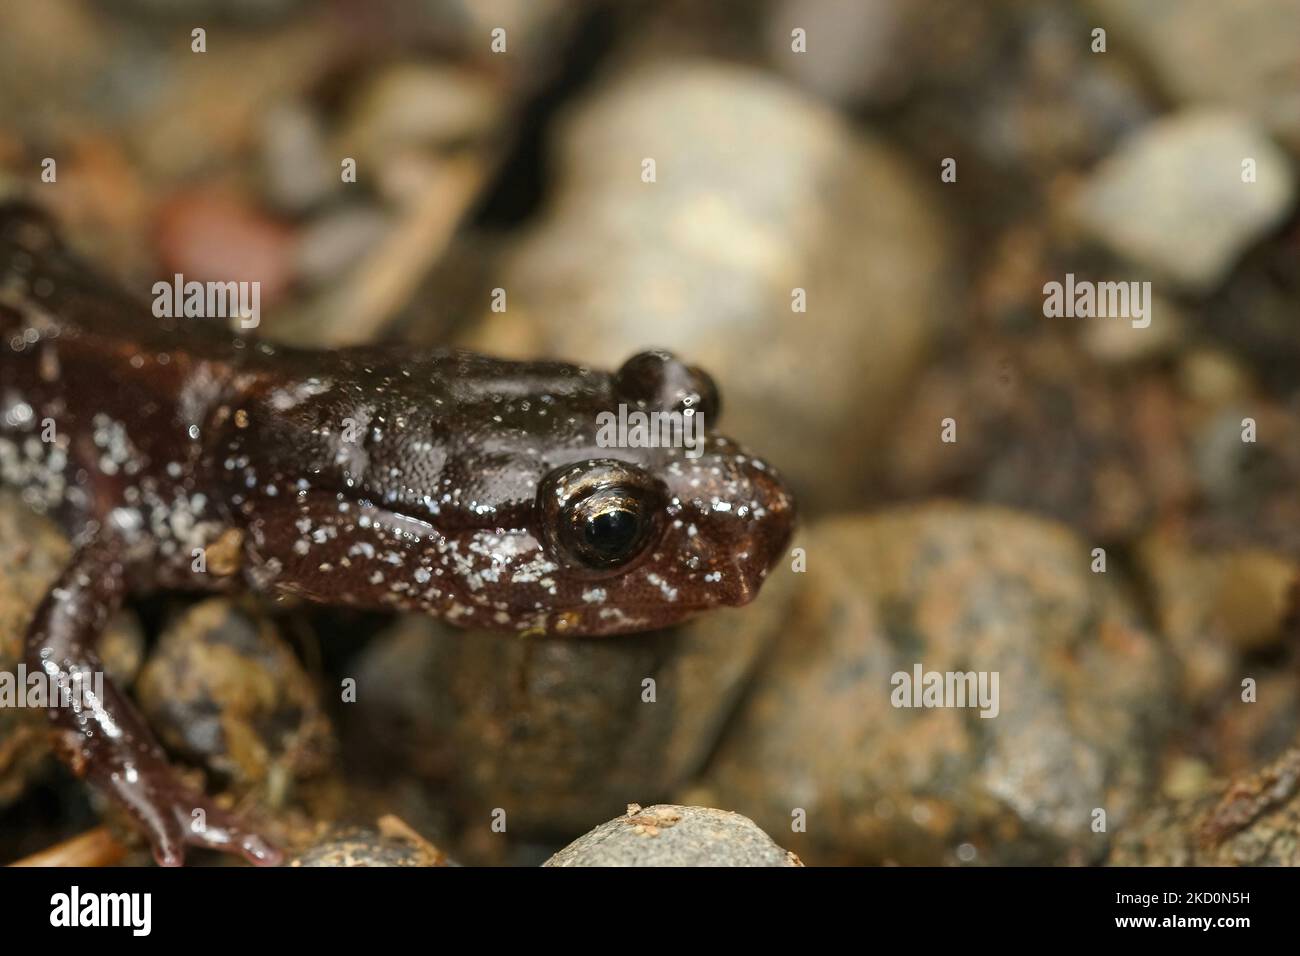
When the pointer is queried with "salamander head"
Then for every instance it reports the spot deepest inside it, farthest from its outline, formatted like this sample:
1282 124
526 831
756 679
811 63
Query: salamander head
639 547
511 496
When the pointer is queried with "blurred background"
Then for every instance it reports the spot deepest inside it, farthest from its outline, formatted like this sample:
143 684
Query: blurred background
1099 533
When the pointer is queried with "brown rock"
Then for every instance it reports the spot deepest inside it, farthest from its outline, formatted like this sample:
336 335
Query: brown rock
1042 428
223 688
1082 690
1252 821
392 843
1213 604
558 733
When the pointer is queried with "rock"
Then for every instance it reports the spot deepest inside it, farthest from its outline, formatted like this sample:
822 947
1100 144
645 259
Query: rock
855 52
1253 315
299 170
392 844
338 241
1042 427
665 835
1238 734
705 261
558 733
32 553
420 105
1213 378
411 108
1254 597
1119 343
1222 459
1171 198
1179 582
1244 490
1217 608
1186 778
1015 95
1080 706
221 687
1195 48
1252 821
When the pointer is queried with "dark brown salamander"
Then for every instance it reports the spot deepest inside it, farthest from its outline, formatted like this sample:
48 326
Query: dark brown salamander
180 455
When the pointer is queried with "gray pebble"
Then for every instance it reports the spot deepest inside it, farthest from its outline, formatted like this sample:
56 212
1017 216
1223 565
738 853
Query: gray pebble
1171 200
666 835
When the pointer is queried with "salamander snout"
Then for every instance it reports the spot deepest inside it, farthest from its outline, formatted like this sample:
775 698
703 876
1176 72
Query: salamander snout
735 520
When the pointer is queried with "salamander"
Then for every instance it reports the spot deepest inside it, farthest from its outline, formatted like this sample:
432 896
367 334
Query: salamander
180 453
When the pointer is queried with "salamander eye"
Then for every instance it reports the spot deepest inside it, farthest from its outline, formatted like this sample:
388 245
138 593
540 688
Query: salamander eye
600 515
607 528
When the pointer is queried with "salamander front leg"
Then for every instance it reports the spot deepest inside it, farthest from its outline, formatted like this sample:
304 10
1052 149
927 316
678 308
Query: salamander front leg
102 737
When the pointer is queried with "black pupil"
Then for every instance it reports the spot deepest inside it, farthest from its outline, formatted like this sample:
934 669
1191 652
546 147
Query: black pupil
611 533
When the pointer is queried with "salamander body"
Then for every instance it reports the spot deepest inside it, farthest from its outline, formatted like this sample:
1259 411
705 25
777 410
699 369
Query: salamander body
178 454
